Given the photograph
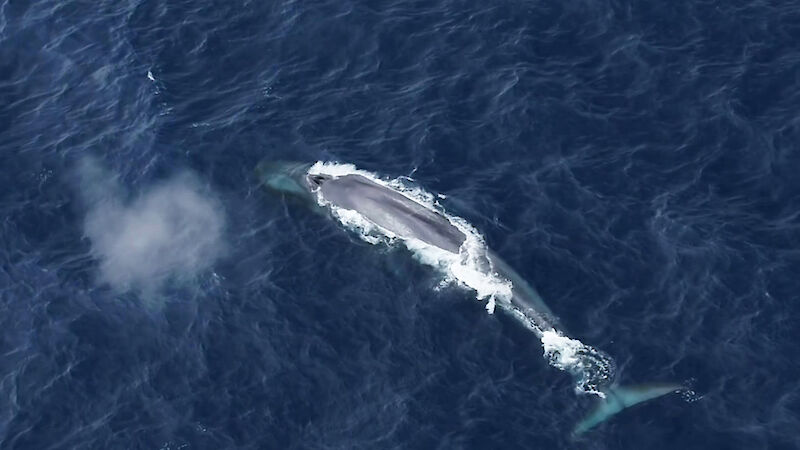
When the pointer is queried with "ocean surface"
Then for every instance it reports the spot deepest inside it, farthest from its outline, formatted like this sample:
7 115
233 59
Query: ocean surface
637 162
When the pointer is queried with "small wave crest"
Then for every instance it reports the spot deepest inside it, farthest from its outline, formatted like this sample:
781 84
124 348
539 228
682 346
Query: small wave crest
471 269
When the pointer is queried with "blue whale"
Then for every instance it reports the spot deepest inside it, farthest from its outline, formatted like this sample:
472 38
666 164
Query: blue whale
407 218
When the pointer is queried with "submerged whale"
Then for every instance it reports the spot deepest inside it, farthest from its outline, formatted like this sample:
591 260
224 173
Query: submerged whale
405 218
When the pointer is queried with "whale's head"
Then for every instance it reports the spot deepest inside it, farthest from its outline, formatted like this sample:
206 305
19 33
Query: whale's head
290 178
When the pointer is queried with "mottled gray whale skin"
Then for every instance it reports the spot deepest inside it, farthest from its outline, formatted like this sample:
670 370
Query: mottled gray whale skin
409 219
391 210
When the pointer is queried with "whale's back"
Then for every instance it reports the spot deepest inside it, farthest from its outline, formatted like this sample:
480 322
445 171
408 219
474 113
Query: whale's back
393 211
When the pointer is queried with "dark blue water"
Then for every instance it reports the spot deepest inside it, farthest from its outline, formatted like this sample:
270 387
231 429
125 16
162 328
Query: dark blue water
636 161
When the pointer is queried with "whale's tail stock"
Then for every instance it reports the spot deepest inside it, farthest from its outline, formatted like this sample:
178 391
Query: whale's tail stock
618 398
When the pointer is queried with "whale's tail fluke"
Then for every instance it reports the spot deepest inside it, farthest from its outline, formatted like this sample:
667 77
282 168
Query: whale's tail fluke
618 398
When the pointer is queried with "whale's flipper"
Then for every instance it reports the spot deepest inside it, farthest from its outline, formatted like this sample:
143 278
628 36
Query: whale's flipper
618 398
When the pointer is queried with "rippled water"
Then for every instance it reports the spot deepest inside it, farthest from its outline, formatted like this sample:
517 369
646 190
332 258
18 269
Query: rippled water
634 161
